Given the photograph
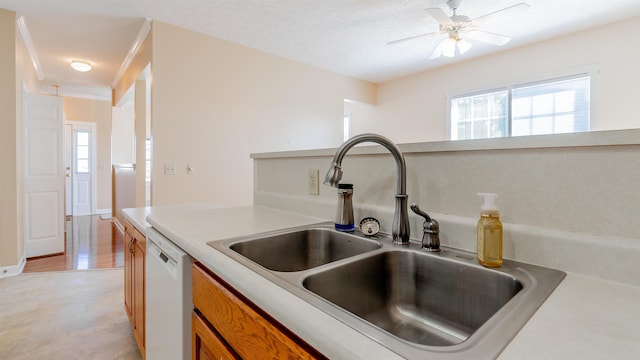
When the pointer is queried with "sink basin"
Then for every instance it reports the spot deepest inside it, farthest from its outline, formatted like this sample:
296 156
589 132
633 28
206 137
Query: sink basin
303 249
422 299
417 304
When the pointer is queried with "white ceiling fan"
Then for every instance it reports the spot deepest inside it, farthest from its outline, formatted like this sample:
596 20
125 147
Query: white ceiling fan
459 28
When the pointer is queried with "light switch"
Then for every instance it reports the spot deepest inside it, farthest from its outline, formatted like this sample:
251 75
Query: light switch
169 169
312 182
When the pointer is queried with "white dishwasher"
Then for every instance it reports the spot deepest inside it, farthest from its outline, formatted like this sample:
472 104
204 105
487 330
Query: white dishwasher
168 302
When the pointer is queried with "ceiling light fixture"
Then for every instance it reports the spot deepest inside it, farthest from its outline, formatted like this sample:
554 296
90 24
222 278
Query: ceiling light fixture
447 47
81 66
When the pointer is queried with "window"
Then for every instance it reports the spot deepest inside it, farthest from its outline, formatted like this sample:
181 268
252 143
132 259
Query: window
82 152
547 107
480 116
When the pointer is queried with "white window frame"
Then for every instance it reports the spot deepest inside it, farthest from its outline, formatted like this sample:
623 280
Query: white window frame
593 71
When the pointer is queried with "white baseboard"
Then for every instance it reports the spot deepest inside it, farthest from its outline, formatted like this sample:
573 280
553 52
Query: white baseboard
15 269
118 225
105 214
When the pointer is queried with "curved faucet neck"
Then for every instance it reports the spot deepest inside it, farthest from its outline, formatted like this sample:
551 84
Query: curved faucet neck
381 140
400 228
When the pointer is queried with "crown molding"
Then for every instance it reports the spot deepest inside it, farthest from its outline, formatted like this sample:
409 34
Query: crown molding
76 91
26 36
135 46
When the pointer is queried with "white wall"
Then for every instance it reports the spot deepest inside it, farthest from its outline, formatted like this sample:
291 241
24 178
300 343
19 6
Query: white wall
572 208
588 189
222 101
213 108
361 115
11 246
141 121
413 109
18 75
122 134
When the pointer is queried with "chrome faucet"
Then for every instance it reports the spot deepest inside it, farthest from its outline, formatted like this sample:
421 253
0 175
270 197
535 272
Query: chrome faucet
400 230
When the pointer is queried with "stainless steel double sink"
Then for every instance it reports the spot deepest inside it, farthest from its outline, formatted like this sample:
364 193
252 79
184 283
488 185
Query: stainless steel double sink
418 304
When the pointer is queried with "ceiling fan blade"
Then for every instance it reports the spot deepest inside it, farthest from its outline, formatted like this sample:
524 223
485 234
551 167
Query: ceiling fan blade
440 16
508 11
412 37
487 37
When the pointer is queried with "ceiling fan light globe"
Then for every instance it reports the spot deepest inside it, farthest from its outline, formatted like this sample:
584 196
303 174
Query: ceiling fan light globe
449 48
463 46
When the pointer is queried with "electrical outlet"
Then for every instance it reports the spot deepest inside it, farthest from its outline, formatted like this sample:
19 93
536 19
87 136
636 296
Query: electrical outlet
312 182
169 169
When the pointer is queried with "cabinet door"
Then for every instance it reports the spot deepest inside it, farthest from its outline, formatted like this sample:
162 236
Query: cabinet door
128 272
206 344
241 325
138 292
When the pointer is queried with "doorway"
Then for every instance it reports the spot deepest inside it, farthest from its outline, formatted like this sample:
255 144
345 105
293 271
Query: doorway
80 168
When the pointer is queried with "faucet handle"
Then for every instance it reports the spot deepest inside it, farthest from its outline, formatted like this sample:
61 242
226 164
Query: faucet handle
431 231
416 209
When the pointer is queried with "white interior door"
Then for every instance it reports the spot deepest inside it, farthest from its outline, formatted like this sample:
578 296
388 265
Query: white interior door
83 168
43 175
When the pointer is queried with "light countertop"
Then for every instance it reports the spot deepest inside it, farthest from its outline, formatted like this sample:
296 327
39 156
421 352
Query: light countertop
584 318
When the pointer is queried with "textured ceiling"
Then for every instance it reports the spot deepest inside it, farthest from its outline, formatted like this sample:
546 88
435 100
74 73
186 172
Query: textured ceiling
345 36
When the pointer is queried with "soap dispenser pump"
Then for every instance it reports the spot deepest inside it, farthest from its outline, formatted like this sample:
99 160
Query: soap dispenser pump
489 232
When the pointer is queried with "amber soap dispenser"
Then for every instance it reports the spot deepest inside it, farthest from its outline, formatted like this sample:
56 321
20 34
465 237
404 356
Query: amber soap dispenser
489 232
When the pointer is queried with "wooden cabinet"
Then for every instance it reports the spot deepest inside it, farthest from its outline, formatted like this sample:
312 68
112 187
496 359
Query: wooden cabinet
207 344
134 297
227 325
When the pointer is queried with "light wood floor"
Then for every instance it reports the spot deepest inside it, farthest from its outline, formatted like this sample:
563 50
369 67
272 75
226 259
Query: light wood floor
91 243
